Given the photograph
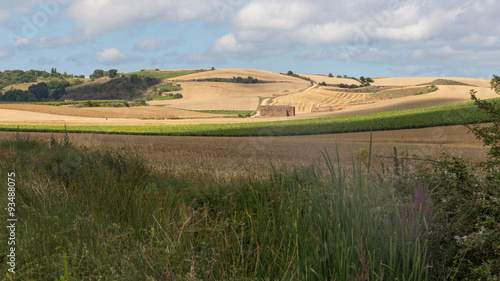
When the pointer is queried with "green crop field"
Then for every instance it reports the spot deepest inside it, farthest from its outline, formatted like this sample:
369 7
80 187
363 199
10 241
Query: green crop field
228 112
465 113
163 75
56 103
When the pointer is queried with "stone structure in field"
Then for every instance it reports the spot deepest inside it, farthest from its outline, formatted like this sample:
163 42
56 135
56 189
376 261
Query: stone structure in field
277 110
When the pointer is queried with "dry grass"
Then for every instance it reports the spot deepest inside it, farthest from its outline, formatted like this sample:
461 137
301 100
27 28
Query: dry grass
231 96
224 157
140 112
409 81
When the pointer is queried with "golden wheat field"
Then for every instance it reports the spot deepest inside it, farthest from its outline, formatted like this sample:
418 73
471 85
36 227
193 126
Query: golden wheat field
231 96
224 157
317 97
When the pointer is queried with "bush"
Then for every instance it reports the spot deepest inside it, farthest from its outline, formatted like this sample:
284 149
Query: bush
490 135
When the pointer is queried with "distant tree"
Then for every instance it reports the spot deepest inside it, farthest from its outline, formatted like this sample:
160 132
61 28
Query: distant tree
362 79
134 78
113 73
369 80
290 72
98 73
213 68
339 76
40 90
345 76
330 74
322 83
11 95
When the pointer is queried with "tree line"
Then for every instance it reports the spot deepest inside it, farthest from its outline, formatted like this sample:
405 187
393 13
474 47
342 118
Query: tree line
53 90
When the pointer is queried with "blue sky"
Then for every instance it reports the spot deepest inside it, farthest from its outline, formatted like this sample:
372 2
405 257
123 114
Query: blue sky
367 37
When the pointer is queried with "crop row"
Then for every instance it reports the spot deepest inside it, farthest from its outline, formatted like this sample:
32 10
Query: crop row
465 113
56 103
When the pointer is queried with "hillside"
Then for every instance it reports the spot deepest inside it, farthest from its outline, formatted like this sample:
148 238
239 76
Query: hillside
111 88
231 96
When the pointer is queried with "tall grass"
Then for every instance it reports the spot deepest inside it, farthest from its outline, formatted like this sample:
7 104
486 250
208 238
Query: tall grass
85 215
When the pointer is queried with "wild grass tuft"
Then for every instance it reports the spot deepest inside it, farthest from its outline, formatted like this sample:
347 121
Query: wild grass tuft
87 215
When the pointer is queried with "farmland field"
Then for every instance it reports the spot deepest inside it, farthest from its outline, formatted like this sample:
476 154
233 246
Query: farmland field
141 112
163 74
306 102
228 157
174 190
453 114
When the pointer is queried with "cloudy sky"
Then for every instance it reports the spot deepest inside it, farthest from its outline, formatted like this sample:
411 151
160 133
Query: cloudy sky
366 37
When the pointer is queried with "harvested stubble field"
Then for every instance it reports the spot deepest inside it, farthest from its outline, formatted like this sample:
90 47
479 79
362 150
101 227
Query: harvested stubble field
225 157
138 112
231 96
307 101
445 94
409 81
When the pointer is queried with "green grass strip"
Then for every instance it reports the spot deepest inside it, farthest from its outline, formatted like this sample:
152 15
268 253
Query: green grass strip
228 112
455 114
57 103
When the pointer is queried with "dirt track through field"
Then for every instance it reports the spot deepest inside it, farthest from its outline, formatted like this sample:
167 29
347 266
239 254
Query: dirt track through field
249 156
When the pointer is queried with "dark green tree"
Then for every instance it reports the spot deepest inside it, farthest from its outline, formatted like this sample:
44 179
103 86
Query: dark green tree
98 73
330 74
40 90
113 73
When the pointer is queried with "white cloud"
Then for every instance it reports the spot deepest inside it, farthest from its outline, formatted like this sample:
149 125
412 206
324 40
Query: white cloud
95 17
113 56
274 14
148 45
20 42
229 44
4 15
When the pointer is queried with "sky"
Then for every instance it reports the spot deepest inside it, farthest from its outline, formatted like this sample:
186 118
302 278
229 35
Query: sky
371 38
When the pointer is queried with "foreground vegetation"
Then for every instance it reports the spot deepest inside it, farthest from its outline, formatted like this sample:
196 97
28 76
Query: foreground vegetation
87 215
466 113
